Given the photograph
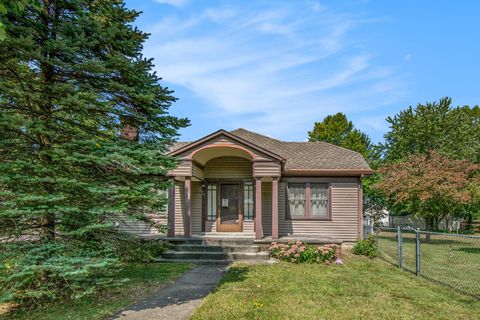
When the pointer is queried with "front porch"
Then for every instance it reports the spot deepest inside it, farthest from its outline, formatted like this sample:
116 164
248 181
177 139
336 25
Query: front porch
225 187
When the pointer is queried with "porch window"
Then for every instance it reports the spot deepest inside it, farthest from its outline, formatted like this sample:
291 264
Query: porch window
211 202
248 203
308 201
297 199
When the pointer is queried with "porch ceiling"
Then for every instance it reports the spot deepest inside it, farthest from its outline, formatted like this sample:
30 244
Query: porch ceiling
205 155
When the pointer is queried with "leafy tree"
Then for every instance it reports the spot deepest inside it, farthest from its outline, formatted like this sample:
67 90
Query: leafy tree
430 185
71 78
338 130
435 126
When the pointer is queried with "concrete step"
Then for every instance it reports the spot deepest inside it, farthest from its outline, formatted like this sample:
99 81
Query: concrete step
171 254
249 256
228 242
196 261
198 248
192 241
241 248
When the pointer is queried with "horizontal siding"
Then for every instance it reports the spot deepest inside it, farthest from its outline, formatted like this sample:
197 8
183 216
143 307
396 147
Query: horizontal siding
211 226
228 168
140 228
344 223
196 208
248 226
266 169
179 205
197 172
183 169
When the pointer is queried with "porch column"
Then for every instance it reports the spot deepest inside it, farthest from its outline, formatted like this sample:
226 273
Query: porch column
188 207
258 208
171 211
275 208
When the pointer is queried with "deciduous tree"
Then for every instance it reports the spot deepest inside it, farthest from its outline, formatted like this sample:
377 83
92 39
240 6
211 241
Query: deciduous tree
431 185
437 126
337 129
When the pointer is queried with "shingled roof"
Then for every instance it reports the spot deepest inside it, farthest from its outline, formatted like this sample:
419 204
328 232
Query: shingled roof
302 155
307 155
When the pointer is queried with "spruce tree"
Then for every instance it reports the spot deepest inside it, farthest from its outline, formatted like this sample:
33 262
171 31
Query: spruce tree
72 76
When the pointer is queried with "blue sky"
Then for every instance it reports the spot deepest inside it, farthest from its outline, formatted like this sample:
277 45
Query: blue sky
276 67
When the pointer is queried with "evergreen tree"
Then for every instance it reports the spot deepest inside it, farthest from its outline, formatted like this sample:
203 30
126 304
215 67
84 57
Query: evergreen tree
71 78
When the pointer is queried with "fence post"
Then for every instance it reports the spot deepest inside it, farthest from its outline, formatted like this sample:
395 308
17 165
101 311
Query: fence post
376 239
399 242
417 252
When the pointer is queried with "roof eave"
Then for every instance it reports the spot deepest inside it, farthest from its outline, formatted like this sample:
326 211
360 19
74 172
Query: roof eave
328 172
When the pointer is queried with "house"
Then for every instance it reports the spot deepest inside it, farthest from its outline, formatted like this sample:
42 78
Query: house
244 183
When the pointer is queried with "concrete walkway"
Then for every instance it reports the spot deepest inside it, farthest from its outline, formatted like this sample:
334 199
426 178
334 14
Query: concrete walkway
179 300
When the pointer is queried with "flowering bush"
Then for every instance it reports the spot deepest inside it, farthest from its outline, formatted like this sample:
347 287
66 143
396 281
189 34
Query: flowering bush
299 252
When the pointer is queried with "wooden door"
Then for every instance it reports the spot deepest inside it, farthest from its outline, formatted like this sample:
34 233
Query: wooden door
230 218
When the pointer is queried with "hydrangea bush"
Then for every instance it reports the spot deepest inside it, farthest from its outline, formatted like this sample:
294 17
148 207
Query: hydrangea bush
299 252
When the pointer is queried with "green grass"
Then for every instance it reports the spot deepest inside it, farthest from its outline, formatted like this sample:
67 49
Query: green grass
360 289
454 261
143 280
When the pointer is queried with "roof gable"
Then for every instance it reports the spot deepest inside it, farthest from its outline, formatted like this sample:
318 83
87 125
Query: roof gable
222 133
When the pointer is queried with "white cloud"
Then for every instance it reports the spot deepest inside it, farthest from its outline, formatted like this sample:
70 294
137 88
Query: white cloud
175 3
258 68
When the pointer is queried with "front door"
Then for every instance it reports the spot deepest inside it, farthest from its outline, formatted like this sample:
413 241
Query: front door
230 214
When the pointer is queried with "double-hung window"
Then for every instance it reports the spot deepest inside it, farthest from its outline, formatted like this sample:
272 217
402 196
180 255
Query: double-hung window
308 201
248 202
211 201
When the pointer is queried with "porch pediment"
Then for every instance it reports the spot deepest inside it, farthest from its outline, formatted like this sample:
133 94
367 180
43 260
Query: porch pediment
226 140
195 155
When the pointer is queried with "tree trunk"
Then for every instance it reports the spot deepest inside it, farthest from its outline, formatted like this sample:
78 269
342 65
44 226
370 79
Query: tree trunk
47 227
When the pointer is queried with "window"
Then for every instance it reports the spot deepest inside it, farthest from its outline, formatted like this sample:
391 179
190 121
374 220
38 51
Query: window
319 200
297 199
211 202
248 202
308 201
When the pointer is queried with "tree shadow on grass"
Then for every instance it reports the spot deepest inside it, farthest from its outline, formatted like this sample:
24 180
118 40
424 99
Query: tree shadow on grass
236 274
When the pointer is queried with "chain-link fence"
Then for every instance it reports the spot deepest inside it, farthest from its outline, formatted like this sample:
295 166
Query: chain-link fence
449 259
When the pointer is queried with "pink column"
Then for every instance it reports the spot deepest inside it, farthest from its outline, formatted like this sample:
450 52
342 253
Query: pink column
188 207
275 208
258 208
171 211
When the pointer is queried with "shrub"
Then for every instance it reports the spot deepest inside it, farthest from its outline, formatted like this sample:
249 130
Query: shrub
299 252
32 272
142 251
365 247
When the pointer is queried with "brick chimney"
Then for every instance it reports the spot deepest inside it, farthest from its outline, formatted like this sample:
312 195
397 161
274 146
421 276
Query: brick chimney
129 130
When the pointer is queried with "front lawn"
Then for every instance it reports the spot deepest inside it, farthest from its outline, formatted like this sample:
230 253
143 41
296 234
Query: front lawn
143 280
360 289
